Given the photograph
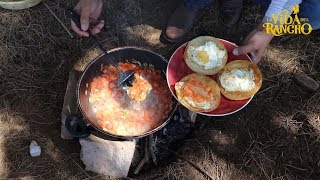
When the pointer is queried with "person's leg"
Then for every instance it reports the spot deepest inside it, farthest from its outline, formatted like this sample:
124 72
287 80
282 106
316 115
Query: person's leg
181 21
197 4
311 9
264 3
230 11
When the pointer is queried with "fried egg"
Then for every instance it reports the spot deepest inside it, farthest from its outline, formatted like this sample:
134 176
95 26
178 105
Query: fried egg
237 80
209 55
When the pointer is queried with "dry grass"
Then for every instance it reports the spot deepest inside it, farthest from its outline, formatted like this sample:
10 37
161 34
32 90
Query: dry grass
12 128
276 137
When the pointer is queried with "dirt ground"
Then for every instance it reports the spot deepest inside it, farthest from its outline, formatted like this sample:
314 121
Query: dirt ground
277 136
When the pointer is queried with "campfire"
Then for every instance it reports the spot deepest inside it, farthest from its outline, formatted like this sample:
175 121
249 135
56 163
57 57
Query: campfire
109 150
162 144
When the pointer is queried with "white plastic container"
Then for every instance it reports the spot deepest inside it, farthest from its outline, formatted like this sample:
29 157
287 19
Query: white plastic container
18 4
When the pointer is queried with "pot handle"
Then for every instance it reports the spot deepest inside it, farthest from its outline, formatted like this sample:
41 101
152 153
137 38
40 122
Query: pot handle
76 126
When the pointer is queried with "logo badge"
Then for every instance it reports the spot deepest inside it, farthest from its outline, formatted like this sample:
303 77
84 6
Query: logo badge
283 23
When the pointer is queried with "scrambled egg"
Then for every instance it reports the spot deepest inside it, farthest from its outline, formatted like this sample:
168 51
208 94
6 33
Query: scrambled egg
208 55
195 99
237 80
202 105
140 88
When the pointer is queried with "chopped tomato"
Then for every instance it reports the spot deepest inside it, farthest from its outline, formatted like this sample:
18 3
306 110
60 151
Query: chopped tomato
121 114
197 90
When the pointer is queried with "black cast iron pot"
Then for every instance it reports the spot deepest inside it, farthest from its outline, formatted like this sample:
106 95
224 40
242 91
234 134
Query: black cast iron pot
83 125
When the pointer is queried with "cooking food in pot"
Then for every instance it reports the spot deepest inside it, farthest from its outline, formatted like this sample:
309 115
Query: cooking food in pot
198 93
239 80
133 111
205 55
140 88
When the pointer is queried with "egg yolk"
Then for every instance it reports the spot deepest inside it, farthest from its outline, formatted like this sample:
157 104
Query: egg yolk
203 56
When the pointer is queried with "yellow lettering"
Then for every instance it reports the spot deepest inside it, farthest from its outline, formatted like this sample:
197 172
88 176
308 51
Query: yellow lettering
283 23
304 19
289 20
268 27
276 31
303 28
284 15
274 18
297 29
296 20
290 29
283 29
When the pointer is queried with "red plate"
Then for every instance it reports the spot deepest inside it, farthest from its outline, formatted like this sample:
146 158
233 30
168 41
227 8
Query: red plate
177 69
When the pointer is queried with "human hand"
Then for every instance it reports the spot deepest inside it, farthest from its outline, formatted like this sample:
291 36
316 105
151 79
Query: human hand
255 43
89 11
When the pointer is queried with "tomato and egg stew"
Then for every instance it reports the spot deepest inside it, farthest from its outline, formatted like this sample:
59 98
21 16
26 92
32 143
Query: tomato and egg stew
134 111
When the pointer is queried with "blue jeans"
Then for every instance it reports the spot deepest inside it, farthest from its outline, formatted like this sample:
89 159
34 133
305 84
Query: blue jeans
308 9
197 4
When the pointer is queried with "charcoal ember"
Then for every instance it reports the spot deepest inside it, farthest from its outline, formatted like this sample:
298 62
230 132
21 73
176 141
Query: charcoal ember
173 134
165 141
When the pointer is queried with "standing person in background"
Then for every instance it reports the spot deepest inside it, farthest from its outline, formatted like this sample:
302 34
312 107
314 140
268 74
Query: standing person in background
181 21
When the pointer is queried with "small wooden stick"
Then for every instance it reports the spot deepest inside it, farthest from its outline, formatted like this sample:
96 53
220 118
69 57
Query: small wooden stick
58 19
145 158
153 156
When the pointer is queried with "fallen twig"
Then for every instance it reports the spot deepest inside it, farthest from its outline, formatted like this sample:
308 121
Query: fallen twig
203 172
58 19
145 158
153 156
294 167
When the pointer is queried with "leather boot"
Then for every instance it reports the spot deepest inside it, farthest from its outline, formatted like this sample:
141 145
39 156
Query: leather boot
230 11
179 24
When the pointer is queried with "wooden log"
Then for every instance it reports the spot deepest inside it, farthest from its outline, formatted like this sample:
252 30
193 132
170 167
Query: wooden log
306 82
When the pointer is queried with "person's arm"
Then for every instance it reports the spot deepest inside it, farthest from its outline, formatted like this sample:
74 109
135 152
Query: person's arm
257 40
89 11
276 6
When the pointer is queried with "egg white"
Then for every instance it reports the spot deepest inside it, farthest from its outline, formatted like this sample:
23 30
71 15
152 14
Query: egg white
237 80
214 53
203 105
